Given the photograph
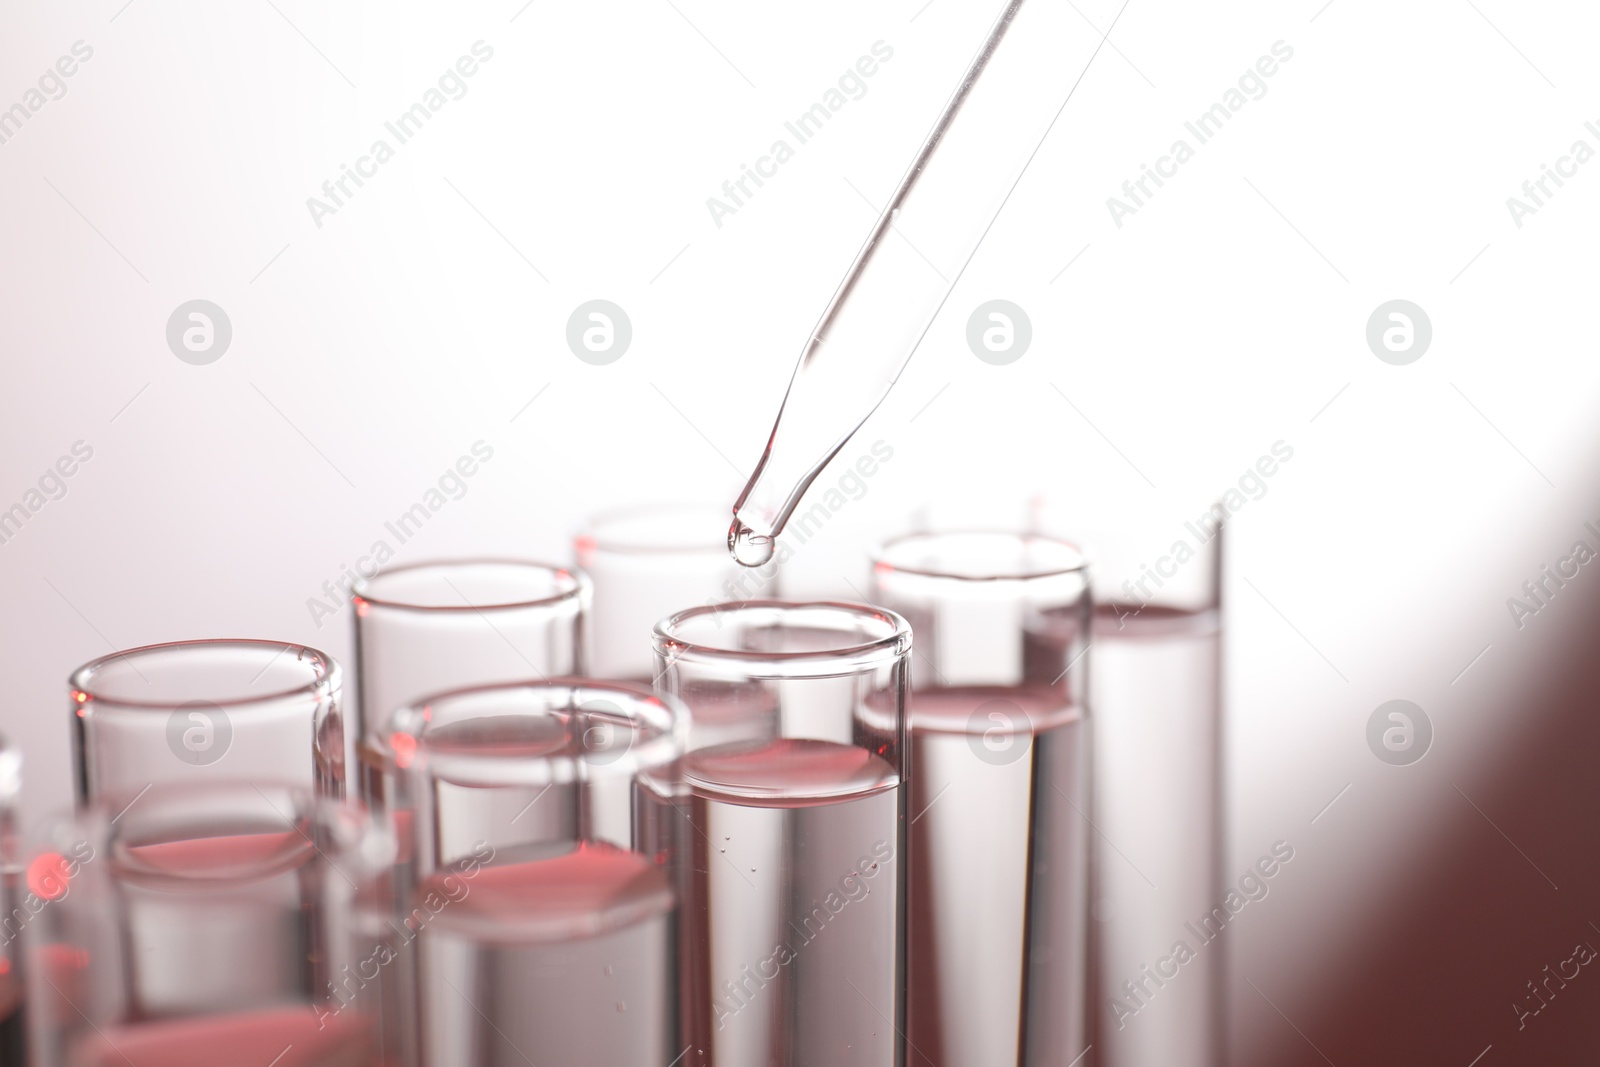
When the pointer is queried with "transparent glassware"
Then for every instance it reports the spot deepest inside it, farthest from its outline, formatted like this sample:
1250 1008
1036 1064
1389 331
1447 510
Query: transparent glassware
646 563
199 923
544 929
980 144
1156 691
791 837
15 912
431 627
208 711
998 882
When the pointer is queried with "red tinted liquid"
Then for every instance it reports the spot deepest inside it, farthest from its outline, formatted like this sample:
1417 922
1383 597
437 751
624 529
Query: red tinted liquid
283 1037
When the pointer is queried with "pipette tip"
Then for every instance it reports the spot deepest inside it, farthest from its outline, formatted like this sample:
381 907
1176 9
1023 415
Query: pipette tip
749 548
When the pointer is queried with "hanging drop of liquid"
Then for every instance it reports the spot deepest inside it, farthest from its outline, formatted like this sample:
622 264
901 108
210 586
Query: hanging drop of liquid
748 547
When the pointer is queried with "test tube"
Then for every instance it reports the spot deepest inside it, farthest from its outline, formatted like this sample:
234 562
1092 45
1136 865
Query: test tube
998 886
208 711
645 563
792 844
1156 694
202 923
13 911
648 562
543 933
431 627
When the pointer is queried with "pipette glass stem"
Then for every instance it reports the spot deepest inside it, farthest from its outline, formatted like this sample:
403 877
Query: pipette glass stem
988 132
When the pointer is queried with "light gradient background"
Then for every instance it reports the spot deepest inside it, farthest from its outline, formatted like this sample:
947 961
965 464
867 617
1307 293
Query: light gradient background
1168 354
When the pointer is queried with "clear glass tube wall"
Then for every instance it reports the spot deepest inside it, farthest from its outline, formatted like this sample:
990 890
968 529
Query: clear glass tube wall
998 897
1156 691
208 711
646 563
790 832
1157 697
203 922
14 911
432 627
544 932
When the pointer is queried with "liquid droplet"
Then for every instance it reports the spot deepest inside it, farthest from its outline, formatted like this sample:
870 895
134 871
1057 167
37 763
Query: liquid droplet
749 548
609 970
621 1006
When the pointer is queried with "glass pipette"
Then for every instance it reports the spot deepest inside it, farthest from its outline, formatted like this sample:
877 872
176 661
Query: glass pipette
989 131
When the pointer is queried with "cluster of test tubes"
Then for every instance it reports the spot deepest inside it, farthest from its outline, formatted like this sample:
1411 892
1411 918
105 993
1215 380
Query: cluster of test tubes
597 813
615 812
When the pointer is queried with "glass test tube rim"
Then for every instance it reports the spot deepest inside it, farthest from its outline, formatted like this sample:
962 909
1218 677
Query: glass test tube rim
591 536
891 646
326 681
1077 561
570 581
560 767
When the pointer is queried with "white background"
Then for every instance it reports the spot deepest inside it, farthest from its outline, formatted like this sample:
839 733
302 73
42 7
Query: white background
1229 313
